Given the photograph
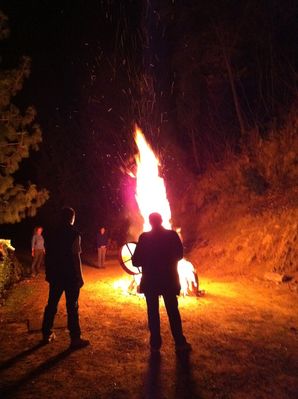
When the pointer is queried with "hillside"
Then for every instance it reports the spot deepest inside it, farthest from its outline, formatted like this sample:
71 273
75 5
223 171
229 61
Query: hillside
241 215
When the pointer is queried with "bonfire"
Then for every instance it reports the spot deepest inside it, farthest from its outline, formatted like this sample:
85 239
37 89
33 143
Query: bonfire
151 196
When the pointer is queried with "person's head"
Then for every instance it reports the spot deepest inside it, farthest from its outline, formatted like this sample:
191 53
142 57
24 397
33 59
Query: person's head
68 216
38 230
155 220
102 230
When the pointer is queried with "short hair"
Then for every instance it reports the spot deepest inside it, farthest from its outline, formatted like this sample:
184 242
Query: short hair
67 215
155 219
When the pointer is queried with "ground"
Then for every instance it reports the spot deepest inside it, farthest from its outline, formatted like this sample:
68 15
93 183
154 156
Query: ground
244 335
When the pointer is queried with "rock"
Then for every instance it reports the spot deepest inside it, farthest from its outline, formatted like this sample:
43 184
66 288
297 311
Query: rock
277 277
294 330
272 276
286 278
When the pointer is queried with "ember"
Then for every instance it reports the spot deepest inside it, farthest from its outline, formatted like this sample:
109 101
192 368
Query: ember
151 197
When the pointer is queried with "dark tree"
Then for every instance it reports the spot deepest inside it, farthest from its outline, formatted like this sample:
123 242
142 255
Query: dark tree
18 135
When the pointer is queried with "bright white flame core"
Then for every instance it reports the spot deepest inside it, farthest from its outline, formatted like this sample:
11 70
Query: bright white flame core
151 197
186 276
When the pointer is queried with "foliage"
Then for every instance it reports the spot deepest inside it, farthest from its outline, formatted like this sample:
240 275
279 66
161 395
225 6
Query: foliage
10 269
18 135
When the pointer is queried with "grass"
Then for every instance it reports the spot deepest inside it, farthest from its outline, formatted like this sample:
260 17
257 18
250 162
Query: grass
244 335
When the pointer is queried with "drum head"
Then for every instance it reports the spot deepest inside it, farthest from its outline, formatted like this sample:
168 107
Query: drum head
125 255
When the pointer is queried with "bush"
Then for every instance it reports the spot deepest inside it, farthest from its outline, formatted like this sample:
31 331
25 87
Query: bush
11 270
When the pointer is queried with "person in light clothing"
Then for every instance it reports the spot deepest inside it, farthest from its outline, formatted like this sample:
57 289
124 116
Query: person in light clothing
102 242
37 250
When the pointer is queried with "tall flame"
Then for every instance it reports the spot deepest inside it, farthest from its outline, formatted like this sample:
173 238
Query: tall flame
151 197
151 193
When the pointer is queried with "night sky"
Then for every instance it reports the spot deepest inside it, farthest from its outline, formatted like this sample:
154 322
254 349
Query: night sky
64 39
92 62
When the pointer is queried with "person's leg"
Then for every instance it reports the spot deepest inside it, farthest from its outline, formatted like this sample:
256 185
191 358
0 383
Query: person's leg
103 255
98 257
50 311
34 261
153 320
72 306
39 258
171 304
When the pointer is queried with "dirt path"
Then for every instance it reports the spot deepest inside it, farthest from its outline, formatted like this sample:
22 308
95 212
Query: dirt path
245 341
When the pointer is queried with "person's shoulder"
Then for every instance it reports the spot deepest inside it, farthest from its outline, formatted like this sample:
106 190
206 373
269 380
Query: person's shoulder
68 231
75 231
170 232
73 228
144 235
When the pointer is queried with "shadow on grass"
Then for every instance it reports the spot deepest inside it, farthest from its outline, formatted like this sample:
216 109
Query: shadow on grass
183 382
10 390
152 383
10 362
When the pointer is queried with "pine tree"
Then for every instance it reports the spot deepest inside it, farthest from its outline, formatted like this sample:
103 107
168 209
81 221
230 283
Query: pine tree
18 135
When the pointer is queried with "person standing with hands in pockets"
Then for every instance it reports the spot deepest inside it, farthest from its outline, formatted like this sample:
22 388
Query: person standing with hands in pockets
102 242
37 250
64 274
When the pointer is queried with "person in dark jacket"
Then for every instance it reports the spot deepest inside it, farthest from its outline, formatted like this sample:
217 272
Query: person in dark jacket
64 274
158 252
102 242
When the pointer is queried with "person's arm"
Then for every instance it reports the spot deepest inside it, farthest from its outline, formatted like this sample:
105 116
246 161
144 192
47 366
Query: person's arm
76 246
44 247
51 258
33 245
138 256
76 251
178 247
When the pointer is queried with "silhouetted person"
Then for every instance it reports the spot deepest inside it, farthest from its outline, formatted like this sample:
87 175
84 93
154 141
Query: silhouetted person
102 242
64 274
37 250
158 252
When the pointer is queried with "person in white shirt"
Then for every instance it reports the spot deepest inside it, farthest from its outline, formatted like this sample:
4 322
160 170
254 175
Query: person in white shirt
37 250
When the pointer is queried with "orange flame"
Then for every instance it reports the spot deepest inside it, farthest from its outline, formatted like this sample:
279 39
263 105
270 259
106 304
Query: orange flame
151 197
151 193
